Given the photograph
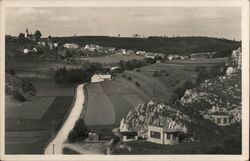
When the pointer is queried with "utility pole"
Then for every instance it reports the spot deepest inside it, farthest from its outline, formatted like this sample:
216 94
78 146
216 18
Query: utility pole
154 91
53 149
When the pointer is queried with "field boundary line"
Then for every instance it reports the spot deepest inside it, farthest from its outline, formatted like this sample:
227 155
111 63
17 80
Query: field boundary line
62 122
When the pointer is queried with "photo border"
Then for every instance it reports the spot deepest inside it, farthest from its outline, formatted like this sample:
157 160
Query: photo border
244 4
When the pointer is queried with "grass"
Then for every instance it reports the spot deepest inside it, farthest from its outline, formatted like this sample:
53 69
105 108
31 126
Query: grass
33 109
38 116
144 147
58 108
100 110
69 151
122 94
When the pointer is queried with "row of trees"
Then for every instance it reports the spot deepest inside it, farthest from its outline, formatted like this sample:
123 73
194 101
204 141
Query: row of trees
78 75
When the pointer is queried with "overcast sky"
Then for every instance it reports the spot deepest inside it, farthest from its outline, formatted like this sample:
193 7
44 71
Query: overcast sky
222 22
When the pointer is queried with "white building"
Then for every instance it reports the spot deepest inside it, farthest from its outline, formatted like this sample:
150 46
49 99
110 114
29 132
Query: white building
91 47
100 77
160 135
140 53
71 45
222 119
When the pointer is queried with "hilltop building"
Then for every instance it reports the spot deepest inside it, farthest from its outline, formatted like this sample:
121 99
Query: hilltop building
29 35
100 77
161 135
71 46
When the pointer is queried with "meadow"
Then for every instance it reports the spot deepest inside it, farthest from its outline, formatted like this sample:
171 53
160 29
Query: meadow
29 125
127 90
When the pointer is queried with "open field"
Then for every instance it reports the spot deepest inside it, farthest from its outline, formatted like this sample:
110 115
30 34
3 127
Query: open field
29 124
111 59
28 110
100 111
122 94
144 147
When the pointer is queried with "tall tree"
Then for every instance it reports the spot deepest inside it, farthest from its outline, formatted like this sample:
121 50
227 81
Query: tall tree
37 35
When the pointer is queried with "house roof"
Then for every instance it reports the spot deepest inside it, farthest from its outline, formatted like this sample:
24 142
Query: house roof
167 130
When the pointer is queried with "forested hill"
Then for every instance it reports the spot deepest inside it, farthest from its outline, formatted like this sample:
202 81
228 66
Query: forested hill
169 45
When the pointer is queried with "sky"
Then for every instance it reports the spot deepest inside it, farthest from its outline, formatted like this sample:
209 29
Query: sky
221 22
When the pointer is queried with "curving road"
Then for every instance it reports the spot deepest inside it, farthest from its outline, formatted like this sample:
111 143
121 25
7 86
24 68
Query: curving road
56 145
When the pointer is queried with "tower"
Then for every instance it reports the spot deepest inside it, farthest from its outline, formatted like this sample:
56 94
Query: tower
26 32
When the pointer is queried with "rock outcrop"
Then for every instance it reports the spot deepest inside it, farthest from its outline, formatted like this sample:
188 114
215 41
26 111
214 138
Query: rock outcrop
161 115
221 94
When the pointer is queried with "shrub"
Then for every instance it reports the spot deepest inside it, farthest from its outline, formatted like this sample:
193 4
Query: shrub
18 96
137 83
129 78
79 132
180 91
166 74
162 71
138 70
156 74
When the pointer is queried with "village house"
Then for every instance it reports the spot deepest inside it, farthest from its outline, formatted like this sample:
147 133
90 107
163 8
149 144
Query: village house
92 47
43 43
150 55
100 77
142 53
161 135
130 52
129 136
121 52
222 119
71 46
93 136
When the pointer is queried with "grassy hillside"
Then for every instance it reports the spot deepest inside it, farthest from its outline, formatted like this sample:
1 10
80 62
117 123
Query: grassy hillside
123 93
168 45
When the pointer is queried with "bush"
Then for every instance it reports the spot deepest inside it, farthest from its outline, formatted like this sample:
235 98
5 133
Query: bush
11 72
129 78
181 90
137 84
138 70
156 74
162 71
166 74
18 96
79 132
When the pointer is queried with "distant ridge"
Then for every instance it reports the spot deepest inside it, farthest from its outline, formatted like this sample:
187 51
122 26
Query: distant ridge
167 45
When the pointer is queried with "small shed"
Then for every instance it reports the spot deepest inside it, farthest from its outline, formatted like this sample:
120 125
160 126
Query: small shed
93 136
129 136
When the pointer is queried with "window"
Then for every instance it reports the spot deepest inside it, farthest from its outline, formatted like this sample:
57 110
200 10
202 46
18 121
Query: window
168 136
154 134
218 120
225 120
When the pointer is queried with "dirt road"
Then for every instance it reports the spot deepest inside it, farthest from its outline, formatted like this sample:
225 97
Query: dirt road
56 145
